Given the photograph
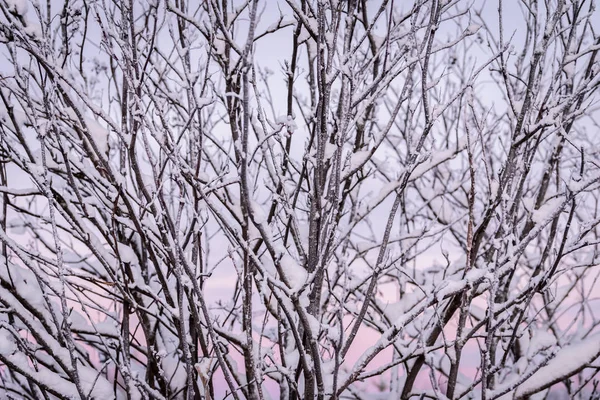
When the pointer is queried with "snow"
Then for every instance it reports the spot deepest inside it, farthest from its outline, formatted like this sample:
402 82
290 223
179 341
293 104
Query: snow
477 312
37 170
233 94
442 208
548 210
313 24
204 101
328 367
33 30
304 35
295 274
174 371
292 357
19 116
91 381
17 6
517 105
568 361
17 227
541 340
312 48
333 333
27 286
77 321
273 26
384 192
475 274
148 222
529 203
127 254
44 376
287 121
220 45
449 287
435 160
379 40
395 310
434 83
582 184
95 384
359 158
258 214
413 241
330 150
329 38
315 325
472 29
107 327
98 133
7 343
204 367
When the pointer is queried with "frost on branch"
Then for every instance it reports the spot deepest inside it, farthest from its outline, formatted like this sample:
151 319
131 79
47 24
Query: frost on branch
298 199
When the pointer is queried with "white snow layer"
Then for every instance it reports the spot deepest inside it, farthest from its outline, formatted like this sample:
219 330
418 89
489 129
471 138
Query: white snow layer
17 6
92 382
294 272
568 361
127 254
7 343
547 210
